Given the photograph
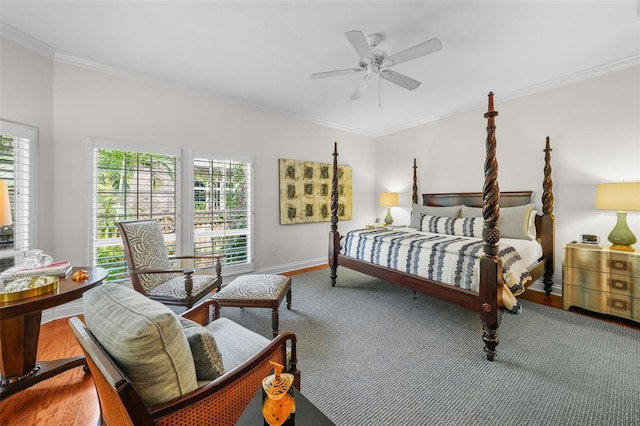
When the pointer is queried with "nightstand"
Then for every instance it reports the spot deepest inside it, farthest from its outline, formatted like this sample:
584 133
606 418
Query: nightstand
601 280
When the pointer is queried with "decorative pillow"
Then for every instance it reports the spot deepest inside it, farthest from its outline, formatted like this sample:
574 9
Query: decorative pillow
463 227
418 210
515 222
145 340
206 357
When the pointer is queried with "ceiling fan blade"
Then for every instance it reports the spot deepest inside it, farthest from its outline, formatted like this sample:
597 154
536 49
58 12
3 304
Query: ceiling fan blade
360 44
400 79
422 49
360 88
336 72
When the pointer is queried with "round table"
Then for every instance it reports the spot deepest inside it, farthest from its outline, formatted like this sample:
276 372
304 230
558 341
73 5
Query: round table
20 330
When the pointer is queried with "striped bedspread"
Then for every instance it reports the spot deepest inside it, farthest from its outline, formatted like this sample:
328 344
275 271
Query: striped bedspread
448 259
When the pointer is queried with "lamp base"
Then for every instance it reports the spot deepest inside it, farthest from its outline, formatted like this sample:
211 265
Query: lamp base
388 220
621 248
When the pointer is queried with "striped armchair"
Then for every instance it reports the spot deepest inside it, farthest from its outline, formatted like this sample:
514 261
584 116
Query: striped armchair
151 270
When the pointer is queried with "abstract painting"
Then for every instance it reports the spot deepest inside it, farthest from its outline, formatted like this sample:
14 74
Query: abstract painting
305 192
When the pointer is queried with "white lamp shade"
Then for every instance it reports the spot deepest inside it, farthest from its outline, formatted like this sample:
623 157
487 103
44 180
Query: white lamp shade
5 205
389 199
624 196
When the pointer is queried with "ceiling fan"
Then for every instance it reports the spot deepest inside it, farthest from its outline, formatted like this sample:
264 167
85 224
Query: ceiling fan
375 62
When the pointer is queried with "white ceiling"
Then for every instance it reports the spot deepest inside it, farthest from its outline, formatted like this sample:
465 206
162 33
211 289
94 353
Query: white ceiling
262 53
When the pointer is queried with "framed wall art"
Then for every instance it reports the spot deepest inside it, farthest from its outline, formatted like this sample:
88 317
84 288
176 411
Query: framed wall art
305 192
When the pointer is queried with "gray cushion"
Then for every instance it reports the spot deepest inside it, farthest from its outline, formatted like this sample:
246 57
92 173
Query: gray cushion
145 340
207 358
253 286
236 343
418 210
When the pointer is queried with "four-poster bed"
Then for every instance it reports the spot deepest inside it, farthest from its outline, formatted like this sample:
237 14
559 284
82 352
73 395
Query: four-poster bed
486 295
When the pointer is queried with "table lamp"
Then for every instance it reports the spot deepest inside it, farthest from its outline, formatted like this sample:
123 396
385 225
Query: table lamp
388 200
5 204
621 197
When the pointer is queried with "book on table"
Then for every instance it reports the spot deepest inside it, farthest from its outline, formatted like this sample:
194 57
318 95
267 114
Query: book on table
56 269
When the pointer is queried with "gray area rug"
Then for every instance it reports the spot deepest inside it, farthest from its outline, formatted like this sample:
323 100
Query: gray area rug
370 354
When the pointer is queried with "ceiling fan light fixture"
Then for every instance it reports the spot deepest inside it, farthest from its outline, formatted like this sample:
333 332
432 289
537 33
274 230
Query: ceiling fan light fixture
376 61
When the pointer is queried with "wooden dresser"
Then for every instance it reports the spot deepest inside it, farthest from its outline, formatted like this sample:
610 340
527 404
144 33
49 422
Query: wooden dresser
601 280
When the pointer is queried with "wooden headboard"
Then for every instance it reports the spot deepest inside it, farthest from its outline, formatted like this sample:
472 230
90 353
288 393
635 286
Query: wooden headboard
474 199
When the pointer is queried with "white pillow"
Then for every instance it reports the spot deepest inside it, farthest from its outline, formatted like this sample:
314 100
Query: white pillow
417 210
515 222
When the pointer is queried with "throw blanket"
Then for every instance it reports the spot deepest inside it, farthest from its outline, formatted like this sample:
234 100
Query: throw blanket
448 259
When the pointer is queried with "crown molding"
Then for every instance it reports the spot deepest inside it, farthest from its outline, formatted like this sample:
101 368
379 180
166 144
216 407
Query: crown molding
44 49
25 40
521 93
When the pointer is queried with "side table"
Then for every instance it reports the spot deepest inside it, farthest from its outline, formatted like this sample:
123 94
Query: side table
307 414
20 331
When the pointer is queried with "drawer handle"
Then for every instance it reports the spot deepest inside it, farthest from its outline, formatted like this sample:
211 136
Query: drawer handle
619 304
620 265
619 285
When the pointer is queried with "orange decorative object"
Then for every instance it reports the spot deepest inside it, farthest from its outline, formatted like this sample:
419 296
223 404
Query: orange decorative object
80 276
278 403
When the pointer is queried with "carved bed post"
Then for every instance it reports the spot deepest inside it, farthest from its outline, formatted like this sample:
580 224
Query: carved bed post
414 190
490 265
548 220
334 235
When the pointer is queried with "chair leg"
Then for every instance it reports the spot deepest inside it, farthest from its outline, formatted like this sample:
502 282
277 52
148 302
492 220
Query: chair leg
275 322
289 299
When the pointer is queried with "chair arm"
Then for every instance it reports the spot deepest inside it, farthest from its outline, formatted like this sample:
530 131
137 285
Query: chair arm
202 312
161 271
218 260
226 397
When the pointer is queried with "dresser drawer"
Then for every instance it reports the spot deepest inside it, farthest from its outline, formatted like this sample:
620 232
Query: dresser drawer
602 302
624 264
619 284
585 259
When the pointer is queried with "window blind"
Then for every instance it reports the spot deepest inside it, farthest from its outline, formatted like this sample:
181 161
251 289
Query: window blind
17 158
130 185
222 211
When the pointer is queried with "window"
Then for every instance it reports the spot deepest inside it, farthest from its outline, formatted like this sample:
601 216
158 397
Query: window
18 147
222 210
130 181
138 181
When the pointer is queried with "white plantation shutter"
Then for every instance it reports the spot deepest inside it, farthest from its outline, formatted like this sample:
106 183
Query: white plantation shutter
18 147
223 210
130 181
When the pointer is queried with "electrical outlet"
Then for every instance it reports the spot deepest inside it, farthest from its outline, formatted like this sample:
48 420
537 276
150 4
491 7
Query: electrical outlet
273 252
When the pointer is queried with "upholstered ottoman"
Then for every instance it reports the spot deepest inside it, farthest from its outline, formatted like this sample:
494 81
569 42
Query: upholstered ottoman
257 291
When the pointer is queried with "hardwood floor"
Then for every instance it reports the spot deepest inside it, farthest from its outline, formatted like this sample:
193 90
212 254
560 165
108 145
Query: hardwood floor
70 399
67 399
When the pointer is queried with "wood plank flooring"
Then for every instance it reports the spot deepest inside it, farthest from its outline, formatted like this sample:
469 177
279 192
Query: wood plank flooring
70 399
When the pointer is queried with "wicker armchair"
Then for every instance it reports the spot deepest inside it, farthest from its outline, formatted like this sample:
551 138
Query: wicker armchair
151 270
219 402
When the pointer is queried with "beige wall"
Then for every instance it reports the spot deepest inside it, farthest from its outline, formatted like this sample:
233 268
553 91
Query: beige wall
594 126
